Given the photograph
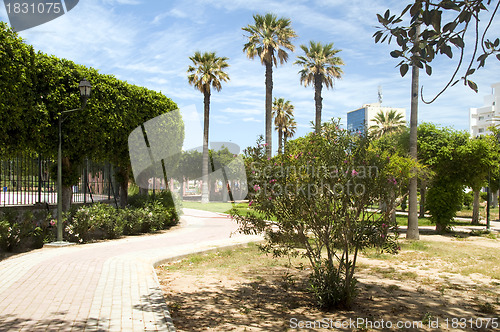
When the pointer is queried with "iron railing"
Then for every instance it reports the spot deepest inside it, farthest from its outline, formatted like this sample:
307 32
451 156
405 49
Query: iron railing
28 179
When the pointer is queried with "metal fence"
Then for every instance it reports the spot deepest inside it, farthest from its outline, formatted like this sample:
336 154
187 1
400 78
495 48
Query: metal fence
29 179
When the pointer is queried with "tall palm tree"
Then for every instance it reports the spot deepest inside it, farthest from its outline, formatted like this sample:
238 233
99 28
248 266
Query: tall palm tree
269 39
388 122
320 66
282 113
207 71
289 129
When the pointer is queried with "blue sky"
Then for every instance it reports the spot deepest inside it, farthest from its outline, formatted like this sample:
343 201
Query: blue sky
148 43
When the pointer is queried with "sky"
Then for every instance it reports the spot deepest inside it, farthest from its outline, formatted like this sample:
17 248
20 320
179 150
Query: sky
148 43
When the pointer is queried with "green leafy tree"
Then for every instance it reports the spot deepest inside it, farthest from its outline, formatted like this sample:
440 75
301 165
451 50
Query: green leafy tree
444 25
434 28
207 71
320 67
388 122
317 198
269 38
282 113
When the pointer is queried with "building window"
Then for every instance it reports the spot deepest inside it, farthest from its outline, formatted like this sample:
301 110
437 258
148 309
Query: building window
481 130
481 118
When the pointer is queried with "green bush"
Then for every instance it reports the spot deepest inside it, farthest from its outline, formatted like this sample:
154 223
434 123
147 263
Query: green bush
329 289
102 221
97 221
25 231
468 199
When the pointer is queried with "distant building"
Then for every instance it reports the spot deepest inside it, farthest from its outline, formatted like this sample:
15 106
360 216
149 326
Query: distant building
480 119
357 119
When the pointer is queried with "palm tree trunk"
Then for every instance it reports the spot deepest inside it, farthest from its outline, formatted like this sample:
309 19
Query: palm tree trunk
280 139
412 232
475 208
204 169
269 108
318 86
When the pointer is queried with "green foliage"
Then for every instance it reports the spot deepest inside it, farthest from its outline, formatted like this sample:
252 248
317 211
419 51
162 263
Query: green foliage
444 199
328 286
468 199
314 201
37 88
443 25
101 221
25 230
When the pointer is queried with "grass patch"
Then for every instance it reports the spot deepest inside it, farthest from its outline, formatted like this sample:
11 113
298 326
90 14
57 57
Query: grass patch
217 207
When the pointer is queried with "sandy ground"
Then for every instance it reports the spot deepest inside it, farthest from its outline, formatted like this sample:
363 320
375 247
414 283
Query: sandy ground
417 295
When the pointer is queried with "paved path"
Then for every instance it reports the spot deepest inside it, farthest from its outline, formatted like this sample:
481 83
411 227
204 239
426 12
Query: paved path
107 286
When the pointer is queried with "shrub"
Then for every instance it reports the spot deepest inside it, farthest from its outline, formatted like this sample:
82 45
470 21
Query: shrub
316 200
97 221
25 231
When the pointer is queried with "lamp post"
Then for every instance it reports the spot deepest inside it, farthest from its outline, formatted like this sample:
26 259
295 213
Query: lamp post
85 89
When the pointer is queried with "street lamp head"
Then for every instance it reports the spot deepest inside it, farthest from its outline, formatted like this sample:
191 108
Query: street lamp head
85 89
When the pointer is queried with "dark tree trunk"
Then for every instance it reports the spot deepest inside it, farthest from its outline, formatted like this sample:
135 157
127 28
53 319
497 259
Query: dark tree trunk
412 232
67 191
204 169
318 100
123 186
269 108
67 194
475 208
280 140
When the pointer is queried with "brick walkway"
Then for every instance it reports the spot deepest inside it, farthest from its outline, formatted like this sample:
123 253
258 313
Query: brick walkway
107 286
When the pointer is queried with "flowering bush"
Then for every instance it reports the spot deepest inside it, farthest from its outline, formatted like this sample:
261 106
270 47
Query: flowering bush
319 193
25 230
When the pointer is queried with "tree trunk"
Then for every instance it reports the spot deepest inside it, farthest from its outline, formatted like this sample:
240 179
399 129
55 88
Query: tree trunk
67 191
413 232
494 199
440 228
67 194
318 100
475 208
204 186
423 191
280 138
123 186
269 108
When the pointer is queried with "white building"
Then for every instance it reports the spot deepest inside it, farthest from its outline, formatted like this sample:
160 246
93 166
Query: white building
357 119
480 119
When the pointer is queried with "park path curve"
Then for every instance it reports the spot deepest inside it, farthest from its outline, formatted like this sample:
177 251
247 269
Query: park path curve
106 286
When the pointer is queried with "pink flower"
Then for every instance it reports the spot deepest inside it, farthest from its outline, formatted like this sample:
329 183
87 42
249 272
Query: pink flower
256 187
250 203
273 181
345 161
354 173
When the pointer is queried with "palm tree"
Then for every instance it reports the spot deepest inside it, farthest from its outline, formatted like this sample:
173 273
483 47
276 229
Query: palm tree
320 66
282 113
289 129
269 38
389 122
207 71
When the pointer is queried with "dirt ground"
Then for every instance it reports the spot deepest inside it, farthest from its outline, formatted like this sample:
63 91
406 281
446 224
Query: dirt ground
409 293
